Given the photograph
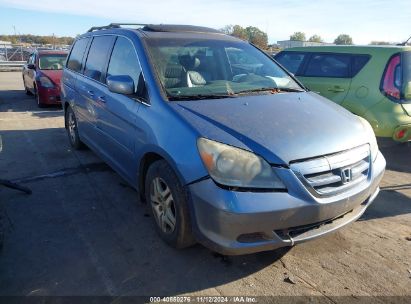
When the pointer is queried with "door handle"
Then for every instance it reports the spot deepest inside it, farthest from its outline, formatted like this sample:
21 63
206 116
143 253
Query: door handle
102 99
336 89
91 93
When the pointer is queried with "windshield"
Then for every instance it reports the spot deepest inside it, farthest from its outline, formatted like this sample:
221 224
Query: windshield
52 61
189 68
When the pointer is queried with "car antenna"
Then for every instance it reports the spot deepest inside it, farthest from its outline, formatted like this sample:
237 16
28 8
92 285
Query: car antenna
405 42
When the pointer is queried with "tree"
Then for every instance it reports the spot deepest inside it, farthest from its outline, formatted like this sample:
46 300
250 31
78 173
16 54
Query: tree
250 33
228 29
298 36
239 32
257 36
343 39
315 38
36 39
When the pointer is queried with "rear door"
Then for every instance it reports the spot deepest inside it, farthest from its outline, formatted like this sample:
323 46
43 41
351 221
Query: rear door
71 75
91 84
31 73
25 71
118 113
328 74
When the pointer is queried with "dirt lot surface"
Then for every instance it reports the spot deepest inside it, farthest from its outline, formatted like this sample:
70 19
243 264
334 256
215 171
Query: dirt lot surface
84 232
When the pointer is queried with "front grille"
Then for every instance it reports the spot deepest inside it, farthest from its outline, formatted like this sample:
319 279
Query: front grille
336 173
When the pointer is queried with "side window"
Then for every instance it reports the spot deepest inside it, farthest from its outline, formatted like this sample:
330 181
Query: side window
328 65
97 57
290 60
358 62
124 61
76 56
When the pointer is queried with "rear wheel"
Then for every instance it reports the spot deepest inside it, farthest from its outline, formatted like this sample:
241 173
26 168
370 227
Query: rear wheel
167 200
72 129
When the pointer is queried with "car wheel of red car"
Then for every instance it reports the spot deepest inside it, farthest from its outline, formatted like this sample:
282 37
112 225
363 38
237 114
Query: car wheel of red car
25 88
36 94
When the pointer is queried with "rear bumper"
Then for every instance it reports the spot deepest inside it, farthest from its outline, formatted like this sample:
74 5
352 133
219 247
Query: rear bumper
245 222
387 118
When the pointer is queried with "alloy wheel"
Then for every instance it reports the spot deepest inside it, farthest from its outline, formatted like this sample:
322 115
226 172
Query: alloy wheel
162 203
72 127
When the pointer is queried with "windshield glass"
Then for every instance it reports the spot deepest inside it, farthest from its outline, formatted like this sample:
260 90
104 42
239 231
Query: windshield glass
52 61
206 68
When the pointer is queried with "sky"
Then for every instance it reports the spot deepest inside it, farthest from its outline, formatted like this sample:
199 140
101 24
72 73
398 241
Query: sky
363 20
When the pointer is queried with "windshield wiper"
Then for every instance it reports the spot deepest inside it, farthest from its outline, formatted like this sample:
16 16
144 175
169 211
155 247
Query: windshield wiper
290 90
270 90
199 97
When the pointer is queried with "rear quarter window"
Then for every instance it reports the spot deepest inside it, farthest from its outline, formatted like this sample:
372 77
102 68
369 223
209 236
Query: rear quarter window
328 65
291 60
75 59
358 63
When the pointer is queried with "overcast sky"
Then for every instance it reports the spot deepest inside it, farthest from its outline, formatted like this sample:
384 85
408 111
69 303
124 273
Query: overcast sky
365 20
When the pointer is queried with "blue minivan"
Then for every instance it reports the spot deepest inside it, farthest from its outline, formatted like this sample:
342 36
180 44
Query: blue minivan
225 146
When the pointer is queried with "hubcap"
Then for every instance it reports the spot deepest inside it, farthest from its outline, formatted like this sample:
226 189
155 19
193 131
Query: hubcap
72 127
163 206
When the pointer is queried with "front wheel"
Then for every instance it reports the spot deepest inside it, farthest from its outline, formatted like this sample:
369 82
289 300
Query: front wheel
72 129
37 95
27 91
167 200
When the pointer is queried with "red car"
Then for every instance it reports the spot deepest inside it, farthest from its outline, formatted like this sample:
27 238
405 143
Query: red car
42 76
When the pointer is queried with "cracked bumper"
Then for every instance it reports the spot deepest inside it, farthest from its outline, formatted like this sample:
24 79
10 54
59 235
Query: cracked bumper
234 223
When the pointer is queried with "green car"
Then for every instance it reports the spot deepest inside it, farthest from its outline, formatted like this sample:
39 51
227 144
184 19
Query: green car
373 82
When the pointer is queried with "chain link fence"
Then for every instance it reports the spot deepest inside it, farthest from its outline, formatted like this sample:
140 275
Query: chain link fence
14 52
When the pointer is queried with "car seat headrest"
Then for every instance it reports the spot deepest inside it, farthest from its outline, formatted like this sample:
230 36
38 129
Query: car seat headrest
189 62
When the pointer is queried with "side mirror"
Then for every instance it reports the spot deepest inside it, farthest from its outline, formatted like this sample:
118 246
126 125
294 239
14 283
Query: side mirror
407 91
121 84
31 66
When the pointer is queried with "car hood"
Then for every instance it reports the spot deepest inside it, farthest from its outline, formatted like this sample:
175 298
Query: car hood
279 127
54 75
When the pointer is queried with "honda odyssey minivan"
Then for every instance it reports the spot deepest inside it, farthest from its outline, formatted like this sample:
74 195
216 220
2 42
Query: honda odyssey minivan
225 146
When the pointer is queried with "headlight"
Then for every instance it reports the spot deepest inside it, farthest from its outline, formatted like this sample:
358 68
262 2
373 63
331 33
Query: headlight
235 167
371 137
45 82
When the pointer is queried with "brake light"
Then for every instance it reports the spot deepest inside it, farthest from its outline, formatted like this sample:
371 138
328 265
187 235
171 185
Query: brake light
392 79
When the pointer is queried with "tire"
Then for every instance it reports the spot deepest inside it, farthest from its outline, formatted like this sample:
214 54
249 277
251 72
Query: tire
72 129
37 96
162 176
27 91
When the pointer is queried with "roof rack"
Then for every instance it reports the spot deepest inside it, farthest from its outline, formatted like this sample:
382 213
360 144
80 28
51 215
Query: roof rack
179 28
159 28
113 25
